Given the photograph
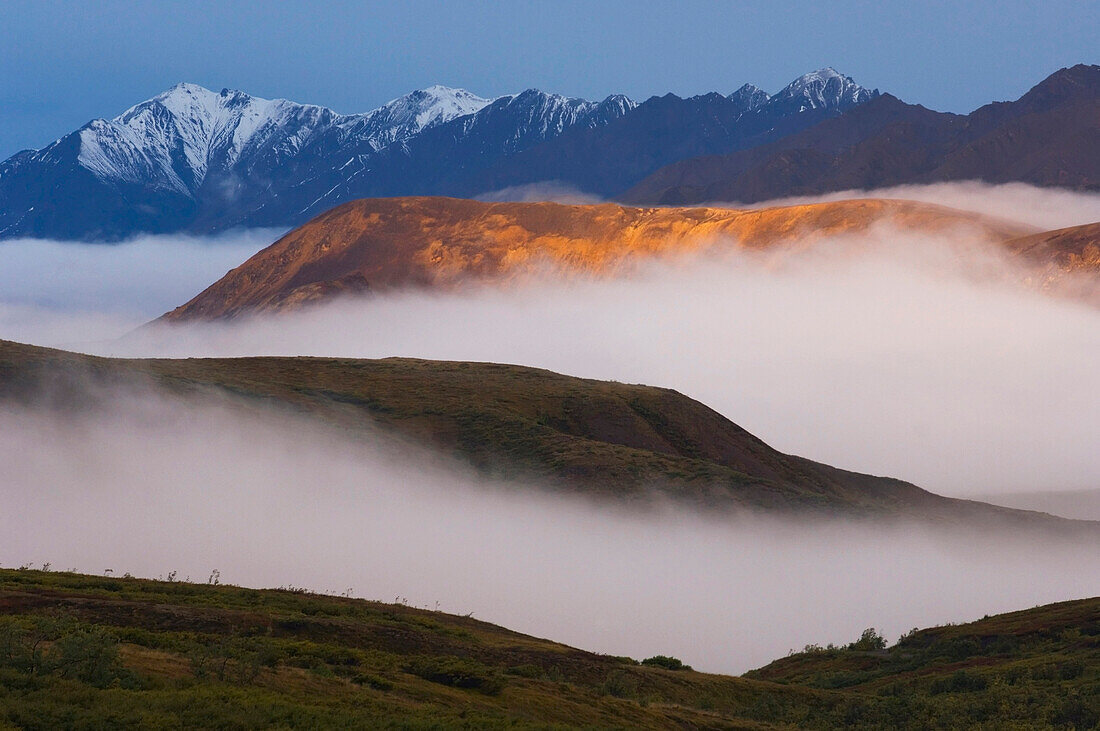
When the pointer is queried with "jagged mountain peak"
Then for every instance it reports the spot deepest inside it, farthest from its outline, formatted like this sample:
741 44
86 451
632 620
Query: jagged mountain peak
437 103
195 157
1080 82
557 111
619 103
187 98
171 140
749 97
405 116
824 88
174 139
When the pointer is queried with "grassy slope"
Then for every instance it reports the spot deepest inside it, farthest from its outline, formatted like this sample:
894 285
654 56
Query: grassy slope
1026 669
316 661
174 654
599 438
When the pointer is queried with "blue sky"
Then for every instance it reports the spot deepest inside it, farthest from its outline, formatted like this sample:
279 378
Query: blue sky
63 63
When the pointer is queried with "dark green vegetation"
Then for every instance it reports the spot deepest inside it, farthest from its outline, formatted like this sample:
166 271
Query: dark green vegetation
602 439
92 652
159 654
1030 669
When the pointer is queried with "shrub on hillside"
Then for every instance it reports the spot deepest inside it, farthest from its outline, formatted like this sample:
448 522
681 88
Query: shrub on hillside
666 662
869 640
458 672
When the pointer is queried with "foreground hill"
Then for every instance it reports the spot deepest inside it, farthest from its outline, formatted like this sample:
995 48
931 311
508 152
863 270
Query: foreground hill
606 440
90 652
1036 668
1050 136
380 244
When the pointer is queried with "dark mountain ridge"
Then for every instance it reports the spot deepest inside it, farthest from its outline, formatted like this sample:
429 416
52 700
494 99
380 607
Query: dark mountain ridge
1050 136
198 161
607 160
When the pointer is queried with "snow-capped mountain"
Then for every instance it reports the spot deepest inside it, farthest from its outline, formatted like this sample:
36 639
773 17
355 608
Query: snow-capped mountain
822 89
411 114
442 161
198 160
194 158
174 139
608 159
749 97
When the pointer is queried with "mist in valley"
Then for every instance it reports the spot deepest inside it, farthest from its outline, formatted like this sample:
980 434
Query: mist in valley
910 359
924 358
72 294
151 485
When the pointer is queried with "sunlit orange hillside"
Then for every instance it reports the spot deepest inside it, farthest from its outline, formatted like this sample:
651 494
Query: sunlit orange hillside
1066 251
380 244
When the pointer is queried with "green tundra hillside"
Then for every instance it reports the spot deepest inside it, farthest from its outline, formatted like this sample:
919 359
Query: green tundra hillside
602 439
118 652
1035 668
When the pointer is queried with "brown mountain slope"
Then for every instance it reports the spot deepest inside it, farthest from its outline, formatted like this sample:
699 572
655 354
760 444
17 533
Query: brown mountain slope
1073 249
611 441
1050 136
385 243
1067 260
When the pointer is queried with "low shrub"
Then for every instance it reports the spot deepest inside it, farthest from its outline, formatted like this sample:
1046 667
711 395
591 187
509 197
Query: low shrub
458 673
666 662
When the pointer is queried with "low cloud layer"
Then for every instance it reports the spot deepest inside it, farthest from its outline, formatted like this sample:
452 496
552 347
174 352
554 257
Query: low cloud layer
1044 208
906 359
922 358
1077 504
64 293
151 487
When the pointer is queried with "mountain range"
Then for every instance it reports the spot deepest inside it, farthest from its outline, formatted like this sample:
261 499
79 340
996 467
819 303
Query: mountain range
200 161
195 160
1049 137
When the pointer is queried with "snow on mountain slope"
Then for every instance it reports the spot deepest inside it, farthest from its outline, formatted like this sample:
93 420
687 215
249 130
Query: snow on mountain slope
749 97
822 89
537 115
426 163
411 114
174 139
194 159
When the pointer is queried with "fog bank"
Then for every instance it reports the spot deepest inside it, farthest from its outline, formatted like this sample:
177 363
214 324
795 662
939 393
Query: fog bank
914 358
1077 504
1044 208
62 293
151 486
